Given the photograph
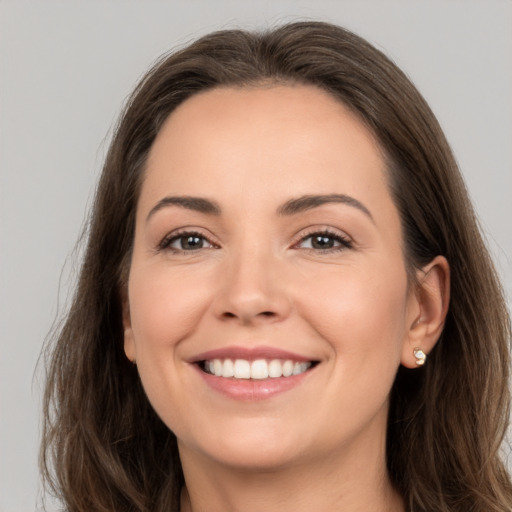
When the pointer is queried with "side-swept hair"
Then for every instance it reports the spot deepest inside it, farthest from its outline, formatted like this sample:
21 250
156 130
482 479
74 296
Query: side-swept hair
103 446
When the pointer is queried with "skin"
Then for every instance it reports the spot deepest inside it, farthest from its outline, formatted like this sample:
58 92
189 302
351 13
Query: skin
257 280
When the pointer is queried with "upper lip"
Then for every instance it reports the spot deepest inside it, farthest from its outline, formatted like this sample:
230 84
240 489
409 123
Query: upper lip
249 354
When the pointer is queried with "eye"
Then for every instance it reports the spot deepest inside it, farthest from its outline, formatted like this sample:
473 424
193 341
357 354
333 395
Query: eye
185 242
324 241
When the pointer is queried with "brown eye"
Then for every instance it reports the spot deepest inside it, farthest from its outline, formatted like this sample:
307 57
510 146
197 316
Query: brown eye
190 243
185 242
324 242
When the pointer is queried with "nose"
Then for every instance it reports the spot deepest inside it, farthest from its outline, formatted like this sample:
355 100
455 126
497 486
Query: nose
252 290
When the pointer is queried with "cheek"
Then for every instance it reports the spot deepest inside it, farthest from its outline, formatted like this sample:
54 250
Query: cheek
360 311
165 305
360 317
165 309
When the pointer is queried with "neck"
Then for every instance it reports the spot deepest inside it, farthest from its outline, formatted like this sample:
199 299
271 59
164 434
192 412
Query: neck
331 483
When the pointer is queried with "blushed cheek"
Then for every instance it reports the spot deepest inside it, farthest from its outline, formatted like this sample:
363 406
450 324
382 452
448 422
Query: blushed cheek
364 316
163 310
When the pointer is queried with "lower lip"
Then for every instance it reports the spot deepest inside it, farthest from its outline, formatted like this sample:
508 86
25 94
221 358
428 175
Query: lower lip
252 389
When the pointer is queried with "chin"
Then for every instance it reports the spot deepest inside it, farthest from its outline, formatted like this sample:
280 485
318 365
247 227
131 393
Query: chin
255 449
255 460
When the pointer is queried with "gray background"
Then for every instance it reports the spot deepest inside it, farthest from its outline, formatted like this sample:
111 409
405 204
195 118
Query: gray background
65 68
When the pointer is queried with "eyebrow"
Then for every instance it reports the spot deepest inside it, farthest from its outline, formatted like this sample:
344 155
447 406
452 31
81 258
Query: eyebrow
291 207
308 202
198 204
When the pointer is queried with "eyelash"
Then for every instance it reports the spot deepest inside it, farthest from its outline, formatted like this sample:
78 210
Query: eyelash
165 244
345 242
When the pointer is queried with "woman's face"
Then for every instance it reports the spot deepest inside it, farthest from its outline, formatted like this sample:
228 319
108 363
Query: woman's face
267 242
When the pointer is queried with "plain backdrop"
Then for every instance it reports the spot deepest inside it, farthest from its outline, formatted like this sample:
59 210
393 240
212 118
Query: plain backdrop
66 68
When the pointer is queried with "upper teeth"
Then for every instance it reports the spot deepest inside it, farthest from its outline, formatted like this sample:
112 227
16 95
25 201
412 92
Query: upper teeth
257 369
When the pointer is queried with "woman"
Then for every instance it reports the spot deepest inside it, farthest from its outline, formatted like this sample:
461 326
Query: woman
285 303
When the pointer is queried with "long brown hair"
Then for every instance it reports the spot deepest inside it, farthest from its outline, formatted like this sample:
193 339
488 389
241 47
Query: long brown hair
103 446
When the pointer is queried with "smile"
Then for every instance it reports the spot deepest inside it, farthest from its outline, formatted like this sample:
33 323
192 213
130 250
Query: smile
258 369
253 373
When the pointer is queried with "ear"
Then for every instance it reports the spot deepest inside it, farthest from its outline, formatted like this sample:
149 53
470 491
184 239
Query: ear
428 306
129 342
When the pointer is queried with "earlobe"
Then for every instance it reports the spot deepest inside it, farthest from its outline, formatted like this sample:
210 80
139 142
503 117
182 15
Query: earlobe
431 298
129 344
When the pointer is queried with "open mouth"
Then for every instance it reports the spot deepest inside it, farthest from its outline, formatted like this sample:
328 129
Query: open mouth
257 369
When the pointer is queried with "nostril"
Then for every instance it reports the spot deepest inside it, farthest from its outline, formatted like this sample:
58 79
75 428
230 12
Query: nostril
268 314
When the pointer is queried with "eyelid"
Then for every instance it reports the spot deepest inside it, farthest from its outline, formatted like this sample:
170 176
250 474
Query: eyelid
165 242
340 236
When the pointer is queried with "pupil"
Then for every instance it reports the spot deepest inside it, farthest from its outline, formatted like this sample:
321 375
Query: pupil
191 242
322 242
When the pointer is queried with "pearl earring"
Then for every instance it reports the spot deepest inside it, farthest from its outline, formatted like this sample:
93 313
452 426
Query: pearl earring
420 356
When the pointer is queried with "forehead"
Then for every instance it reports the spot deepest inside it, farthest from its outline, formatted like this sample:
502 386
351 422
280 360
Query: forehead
267 112
291 139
